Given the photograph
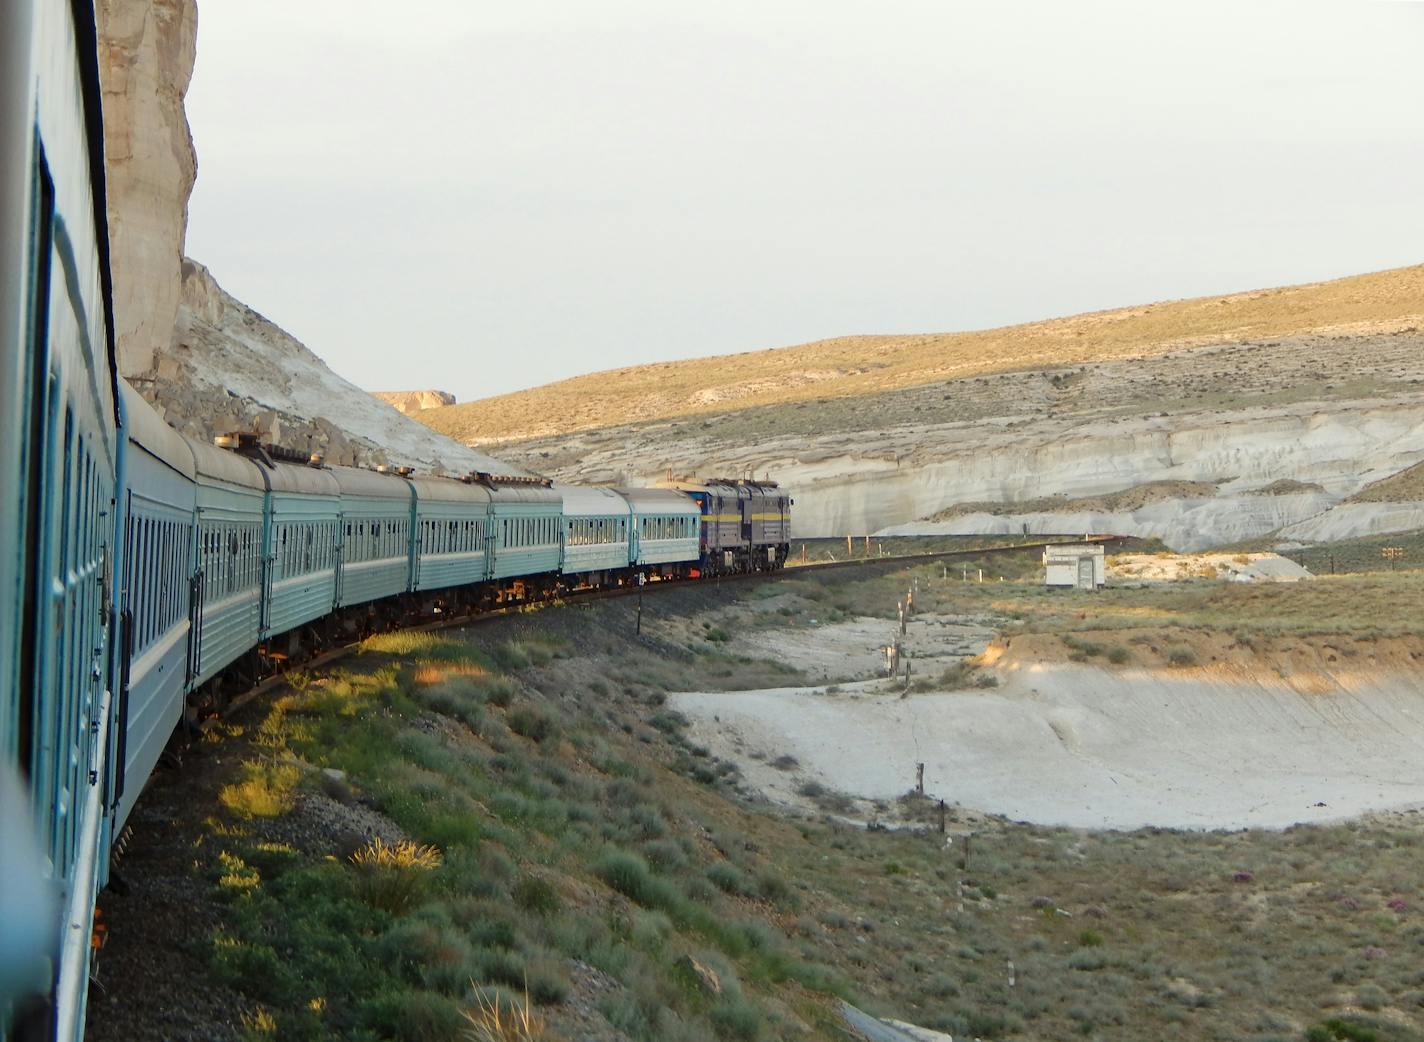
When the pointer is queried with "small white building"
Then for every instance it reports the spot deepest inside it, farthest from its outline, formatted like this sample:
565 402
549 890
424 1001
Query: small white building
1079 565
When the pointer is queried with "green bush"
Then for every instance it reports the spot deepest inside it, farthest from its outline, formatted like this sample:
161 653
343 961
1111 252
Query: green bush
533 894
726 877
530 722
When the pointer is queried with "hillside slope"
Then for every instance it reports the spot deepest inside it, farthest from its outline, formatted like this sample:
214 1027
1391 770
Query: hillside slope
228 368
1198 447
1381 302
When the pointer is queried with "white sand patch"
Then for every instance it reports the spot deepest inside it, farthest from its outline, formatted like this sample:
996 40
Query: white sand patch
1255 567
1086 747
850 650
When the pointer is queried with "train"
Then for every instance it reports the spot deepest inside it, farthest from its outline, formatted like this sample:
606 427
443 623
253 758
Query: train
148 576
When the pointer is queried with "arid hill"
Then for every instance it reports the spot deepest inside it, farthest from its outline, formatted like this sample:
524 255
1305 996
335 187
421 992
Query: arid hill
1383 302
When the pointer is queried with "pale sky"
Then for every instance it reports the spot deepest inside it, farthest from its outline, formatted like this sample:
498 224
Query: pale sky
484 196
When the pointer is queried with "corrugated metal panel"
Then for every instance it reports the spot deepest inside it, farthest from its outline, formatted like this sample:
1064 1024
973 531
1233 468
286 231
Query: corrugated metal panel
437 571
370 580
596 557
667 551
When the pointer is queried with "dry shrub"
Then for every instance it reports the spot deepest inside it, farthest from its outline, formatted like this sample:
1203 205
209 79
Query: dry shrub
502 1019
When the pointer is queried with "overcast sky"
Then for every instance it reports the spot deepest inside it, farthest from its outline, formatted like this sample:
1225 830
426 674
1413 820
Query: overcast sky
482 196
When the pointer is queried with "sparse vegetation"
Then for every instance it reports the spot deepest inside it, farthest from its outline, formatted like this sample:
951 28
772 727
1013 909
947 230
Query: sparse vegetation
573 871
890 366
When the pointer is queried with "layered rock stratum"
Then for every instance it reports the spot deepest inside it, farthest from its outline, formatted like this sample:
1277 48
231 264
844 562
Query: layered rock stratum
209 363
1199 447
146 54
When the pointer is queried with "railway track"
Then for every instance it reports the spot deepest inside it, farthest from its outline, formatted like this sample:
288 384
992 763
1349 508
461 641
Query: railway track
336 654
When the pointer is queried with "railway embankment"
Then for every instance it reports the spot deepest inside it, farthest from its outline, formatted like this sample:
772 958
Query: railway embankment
372 850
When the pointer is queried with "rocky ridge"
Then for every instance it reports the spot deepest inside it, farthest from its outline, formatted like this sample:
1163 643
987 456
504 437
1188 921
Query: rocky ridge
1252 437
411 402
229 369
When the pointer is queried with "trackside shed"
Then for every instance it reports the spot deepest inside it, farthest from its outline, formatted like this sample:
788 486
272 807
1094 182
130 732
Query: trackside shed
1078 565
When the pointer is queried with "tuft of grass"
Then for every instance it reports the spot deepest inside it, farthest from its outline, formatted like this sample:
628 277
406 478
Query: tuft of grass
533 894
392 876
498 1018
265 790
531 722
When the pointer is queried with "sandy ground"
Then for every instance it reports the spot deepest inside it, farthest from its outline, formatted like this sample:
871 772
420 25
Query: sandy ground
853 650
1255 567
1079 745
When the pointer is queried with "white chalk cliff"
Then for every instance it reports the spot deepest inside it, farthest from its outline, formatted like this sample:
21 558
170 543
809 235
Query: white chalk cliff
1259 437
209 363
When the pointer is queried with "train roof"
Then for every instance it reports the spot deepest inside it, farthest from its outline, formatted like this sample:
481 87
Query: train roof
357 482
147 428
302 478
659 501
448 490
590 501
722 485
524 494
225 465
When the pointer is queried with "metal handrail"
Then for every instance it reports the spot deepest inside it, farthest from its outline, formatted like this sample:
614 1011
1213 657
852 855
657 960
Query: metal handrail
72 986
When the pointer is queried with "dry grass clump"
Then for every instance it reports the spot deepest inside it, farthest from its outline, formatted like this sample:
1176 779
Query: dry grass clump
264 791
392 876
500 1018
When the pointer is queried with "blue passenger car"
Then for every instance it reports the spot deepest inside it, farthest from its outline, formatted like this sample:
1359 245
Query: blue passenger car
526 515
303 522
596 533
452 533
157 593
665 530
231 500
59 537
374 558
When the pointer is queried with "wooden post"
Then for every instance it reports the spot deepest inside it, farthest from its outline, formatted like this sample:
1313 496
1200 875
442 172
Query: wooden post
867 546
849 551
941 817
919 767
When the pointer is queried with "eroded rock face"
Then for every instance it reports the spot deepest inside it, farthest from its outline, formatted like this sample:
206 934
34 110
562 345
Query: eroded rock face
230 369
209 363
146 54
412 402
